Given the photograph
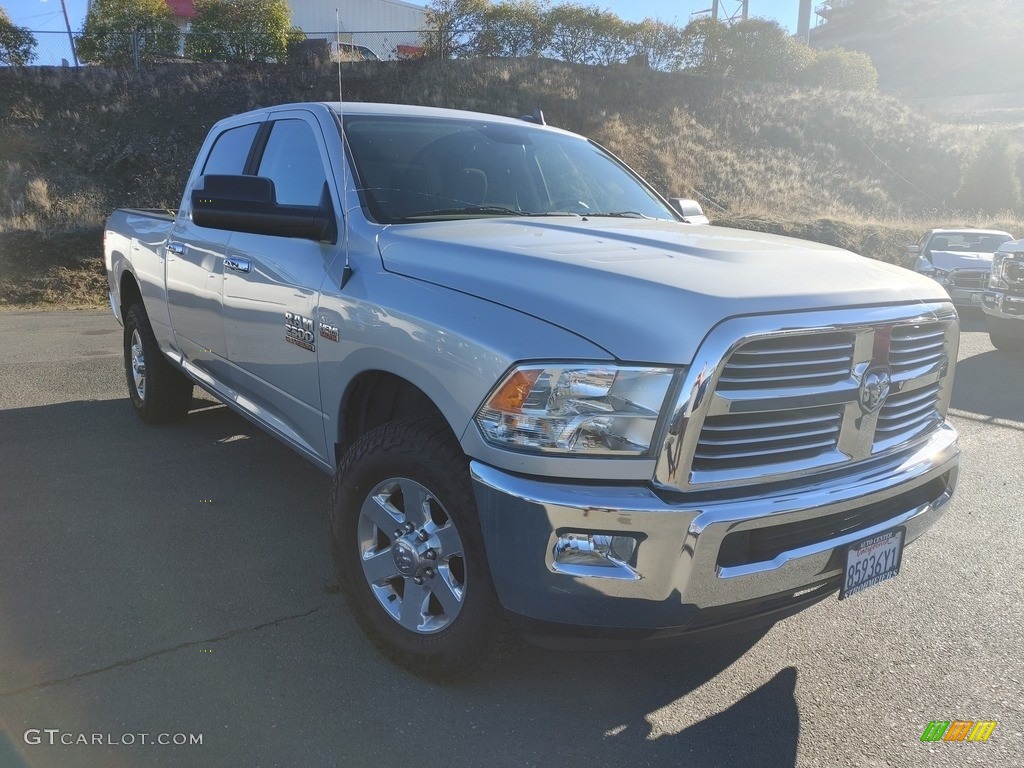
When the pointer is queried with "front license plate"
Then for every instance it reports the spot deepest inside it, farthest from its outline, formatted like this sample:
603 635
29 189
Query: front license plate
976 298
873 560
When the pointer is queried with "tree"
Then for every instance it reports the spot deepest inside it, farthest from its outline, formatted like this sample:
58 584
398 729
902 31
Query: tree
659 41
17 44
989 182
704 47
512 28
241 30
760 49
452 26
121 32
840 69
610 38
572 32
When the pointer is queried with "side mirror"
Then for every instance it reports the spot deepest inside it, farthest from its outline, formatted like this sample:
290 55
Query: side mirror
249 204
689 210
913 248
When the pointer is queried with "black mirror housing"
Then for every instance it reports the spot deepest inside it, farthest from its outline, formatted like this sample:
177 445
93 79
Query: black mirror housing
249 204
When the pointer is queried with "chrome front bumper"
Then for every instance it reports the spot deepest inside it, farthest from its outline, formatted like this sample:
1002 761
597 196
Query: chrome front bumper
1004 305
695 560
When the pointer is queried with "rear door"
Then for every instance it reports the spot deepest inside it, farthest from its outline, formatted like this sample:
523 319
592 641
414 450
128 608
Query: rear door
271 290
195 264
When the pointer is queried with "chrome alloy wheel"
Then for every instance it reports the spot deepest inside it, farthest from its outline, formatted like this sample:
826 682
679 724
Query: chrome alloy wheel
412 555
138 365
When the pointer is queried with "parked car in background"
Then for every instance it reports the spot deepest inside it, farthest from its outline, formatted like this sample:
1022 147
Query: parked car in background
1004 300
958 259
351 52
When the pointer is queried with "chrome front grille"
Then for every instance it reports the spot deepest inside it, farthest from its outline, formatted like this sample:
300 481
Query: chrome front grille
1013 269
788 401
787 361
972 279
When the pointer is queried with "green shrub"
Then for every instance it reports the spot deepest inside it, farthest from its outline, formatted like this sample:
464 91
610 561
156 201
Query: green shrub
990 180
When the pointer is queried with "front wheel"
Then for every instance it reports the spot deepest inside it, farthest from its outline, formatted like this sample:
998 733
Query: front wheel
409 553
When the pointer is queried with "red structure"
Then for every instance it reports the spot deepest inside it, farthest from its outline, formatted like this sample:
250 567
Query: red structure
183 9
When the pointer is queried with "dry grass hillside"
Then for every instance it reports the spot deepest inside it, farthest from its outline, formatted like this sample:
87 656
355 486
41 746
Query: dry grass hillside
853 169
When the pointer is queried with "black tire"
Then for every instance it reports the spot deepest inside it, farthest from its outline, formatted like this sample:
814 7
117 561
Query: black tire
161 393
424 626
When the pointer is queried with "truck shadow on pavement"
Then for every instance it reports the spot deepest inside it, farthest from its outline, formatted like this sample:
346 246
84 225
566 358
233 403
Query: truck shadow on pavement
128 548
989 385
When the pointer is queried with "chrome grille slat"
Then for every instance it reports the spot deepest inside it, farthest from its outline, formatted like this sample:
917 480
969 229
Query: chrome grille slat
931 347
937 334
809 350
781 452
919 360
773 424
787 364
706 441
836 374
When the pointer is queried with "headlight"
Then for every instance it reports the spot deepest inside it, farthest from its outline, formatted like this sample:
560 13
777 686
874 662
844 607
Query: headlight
939 275
997 278
576 409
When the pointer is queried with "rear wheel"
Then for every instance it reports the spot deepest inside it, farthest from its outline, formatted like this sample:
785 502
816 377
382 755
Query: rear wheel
409 553
159 392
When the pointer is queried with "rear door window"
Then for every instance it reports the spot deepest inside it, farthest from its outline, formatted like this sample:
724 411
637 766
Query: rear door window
231 151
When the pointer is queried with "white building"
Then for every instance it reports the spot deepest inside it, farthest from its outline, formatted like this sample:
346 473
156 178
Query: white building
380 25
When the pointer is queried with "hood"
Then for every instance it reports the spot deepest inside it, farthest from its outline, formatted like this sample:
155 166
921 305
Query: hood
646 291
950 260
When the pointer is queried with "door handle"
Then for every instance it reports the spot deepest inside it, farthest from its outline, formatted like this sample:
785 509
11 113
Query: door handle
176 248
238 265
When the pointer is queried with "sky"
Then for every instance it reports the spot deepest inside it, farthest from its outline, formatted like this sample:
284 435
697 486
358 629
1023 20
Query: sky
46 15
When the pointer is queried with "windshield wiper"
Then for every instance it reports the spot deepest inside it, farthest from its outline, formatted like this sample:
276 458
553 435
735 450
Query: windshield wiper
482 210
469 210
620 215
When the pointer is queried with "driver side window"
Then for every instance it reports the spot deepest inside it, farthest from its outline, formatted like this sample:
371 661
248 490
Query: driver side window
292 161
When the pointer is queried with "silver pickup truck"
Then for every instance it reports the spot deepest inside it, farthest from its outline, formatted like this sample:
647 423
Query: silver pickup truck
552 406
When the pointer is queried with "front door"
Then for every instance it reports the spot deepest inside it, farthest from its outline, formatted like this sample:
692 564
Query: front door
271 293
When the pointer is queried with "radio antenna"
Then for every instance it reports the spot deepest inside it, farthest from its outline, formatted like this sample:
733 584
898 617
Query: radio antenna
346 273
337 45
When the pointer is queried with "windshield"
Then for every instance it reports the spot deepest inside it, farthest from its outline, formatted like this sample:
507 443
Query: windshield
969 242
414 169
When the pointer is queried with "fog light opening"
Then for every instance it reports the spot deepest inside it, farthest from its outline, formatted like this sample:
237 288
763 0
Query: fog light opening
594 550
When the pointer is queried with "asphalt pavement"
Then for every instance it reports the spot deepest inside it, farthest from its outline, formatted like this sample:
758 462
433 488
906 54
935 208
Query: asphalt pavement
173 584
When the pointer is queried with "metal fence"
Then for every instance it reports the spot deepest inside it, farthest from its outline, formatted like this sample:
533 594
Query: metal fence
137 48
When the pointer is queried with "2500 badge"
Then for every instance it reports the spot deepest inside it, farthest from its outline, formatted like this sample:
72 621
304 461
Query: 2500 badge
298 330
